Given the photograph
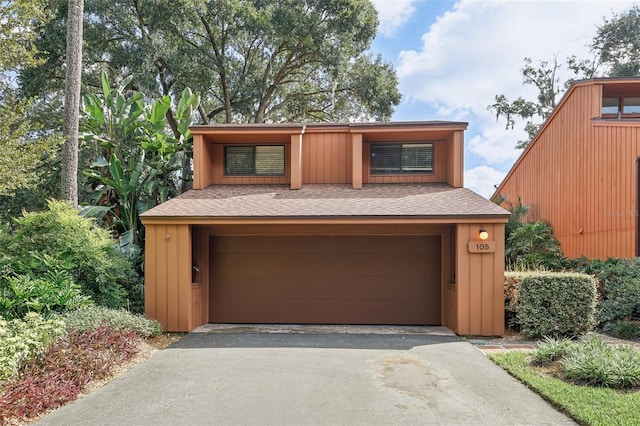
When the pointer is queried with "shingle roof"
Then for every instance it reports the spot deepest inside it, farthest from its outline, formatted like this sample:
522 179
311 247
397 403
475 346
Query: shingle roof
328 200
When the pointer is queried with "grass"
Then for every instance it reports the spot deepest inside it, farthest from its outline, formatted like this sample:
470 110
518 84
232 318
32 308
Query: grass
586 404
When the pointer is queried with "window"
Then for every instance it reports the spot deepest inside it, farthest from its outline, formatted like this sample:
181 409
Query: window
401 158
620 106
254 160
610 106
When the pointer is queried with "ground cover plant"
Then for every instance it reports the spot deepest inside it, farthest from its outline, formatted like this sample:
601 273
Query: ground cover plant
62 373
594 382
22 340
89 317
46 363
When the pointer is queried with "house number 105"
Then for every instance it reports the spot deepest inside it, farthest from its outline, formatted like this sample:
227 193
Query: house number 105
482 246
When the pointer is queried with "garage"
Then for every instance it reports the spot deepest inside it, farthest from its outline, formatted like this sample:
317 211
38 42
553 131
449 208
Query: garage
325 279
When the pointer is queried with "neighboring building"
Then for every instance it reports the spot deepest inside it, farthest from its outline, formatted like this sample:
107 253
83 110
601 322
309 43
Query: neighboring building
327 224
581 172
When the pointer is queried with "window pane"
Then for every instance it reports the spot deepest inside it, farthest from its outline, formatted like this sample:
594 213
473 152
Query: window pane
610 105
417 158
386 159
239 160
270 160
631 106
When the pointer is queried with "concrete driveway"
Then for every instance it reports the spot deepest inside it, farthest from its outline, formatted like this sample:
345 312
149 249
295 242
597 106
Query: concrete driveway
313 377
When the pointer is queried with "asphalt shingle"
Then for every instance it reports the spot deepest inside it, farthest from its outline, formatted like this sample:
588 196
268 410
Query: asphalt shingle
328 200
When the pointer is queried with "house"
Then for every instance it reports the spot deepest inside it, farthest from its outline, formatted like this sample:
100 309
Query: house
327 224
581 171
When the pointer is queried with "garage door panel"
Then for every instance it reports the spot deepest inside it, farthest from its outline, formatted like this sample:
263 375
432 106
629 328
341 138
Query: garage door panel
346 279
333 264
374 288
323 312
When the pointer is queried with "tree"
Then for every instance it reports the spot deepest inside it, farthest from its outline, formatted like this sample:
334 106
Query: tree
251 60
546 80
617 42
25 146
135 162
73 76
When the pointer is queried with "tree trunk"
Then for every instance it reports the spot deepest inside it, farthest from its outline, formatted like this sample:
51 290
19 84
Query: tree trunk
73 75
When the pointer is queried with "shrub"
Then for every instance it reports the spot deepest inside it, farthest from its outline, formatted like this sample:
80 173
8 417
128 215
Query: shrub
532 245
551 349
55 292
553 303
59 239
619 285
91 317
623 329
62 373
21 340
594 362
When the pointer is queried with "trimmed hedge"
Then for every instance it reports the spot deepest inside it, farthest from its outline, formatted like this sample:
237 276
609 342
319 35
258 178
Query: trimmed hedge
550 303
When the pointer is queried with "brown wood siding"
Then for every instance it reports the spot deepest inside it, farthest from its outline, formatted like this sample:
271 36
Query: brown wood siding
218 176
439 168
326 158
326 279
168 292
479 286
580 176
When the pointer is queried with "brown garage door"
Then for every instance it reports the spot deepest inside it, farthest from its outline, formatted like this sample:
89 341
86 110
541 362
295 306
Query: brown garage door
325 280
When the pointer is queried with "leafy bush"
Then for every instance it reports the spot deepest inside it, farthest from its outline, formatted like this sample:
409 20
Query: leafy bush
532 245
62 373
594 362
59 239
21 340
55 292
553 303
623 329
551 349
619 285
91 317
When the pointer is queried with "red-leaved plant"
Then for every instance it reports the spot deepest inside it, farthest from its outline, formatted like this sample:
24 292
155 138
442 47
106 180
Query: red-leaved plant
62 373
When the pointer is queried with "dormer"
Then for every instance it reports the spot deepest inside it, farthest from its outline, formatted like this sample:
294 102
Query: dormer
354 153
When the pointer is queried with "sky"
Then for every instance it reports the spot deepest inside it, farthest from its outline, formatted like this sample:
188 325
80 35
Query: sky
453 57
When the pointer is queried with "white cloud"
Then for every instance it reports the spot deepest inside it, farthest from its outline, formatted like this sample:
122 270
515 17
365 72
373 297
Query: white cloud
393 14
476 50
482 179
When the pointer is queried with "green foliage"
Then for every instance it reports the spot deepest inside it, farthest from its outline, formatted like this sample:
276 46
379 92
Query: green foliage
91 317
595 362
553 303
19 20
529 245
618 45
532 245
586 404
136 163
54 292
59 240
253 61
63 372
623 329
544 77
551 349
619 284
24 149
21 340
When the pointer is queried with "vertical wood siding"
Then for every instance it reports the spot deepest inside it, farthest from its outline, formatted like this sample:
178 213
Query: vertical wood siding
580 176
479 286
168 288
326 158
